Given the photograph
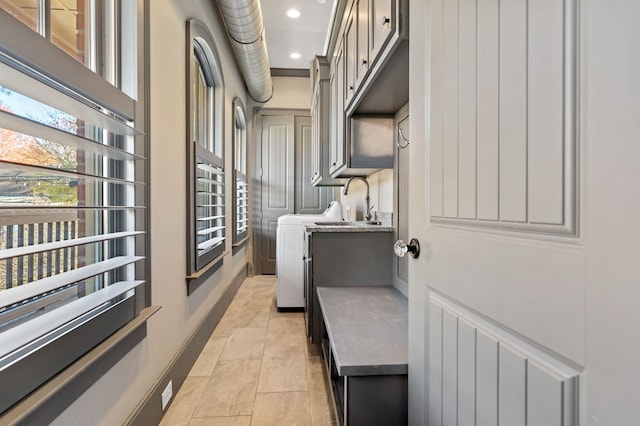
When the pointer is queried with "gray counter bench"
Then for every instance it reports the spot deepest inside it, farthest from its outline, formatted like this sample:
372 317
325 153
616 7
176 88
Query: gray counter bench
365 345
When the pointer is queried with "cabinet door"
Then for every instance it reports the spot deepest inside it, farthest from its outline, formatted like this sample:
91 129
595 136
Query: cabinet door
363 40
382 25
308 199
351 54
336 152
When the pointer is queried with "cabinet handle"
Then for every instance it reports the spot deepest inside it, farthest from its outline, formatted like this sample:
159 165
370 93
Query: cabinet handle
385 20
364 62
334 163
351 88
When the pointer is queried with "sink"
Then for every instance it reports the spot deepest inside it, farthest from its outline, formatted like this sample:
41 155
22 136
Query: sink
339 223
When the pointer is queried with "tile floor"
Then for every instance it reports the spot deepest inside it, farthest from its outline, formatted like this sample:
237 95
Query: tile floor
255 369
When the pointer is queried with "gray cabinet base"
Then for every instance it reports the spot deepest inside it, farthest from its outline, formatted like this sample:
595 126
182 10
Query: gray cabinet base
376 400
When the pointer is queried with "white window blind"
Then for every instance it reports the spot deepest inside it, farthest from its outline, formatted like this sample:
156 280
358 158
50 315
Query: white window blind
70 246
241 189
210 218
242 201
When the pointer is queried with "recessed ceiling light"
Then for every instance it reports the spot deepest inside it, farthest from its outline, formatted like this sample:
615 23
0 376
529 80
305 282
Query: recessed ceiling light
293 13
294 55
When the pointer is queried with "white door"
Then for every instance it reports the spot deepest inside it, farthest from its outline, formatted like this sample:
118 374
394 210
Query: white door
524 302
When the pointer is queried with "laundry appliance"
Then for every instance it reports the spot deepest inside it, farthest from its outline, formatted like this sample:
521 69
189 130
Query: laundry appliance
289 254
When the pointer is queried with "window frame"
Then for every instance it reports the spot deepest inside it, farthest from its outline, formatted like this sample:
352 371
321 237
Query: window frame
240 129
201 44
35 57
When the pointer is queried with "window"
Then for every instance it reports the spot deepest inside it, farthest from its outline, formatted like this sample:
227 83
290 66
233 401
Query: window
72 202
241 190
69 24
207 220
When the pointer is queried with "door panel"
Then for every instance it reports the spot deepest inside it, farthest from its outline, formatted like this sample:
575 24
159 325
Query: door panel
504 266
487 126
497 176
486 380
511 383
513 110
278 194
554 304
466 373
503 129
481 371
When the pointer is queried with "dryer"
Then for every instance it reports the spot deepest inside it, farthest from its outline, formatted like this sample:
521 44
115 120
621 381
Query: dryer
289 254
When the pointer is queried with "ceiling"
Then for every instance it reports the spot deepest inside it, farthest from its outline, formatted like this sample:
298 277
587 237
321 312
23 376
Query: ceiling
304 35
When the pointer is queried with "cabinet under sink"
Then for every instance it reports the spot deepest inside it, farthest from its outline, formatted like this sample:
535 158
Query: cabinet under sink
343 256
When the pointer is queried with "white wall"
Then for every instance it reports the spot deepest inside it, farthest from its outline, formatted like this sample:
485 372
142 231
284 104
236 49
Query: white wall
290 93
116 394
380 193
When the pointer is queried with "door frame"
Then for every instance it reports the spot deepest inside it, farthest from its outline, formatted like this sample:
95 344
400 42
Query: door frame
400 207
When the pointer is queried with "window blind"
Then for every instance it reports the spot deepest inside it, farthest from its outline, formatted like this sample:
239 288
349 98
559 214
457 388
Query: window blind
70 246
210 206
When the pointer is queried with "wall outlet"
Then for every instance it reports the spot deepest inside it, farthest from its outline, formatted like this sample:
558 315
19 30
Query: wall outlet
167 393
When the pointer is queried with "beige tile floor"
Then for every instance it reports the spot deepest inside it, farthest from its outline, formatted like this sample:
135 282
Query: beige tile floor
255 369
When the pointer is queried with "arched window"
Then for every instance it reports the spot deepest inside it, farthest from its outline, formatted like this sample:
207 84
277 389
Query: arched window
241 190
205 148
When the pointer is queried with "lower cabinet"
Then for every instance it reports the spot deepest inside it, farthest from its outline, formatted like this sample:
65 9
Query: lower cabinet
364 341
336 259
365 400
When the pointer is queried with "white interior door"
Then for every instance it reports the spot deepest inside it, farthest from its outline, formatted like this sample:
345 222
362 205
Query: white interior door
523 174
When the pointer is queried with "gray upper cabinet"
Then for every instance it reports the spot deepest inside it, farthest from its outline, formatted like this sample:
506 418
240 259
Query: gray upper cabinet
319 117
376 35
382 25
351 53
323 129
336 141
362 65
369 82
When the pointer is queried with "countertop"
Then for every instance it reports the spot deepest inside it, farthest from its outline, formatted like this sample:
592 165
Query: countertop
351 227
367 328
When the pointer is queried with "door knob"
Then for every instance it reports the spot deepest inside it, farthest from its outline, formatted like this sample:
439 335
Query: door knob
385 20
400 248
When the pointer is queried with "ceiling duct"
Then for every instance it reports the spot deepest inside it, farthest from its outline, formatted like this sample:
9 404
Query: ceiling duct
243 19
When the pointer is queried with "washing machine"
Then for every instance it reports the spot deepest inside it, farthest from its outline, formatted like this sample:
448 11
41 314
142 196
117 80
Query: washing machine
289 254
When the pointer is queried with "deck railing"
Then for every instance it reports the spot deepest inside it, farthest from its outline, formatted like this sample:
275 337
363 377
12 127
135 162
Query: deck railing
40 229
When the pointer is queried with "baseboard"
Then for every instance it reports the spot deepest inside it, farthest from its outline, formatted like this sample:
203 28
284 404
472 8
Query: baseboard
149 411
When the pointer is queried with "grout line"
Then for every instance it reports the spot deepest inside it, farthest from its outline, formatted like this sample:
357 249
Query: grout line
305 355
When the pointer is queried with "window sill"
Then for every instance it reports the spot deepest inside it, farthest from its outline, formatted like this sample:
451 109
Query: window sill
196 279
47 402
239 244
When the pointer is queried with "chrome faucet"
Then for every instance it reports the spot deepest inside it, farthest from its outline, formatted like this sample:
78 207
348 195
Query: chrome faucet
345 189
